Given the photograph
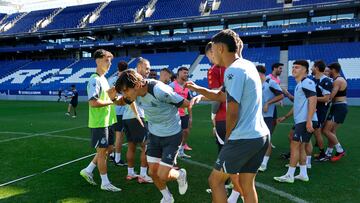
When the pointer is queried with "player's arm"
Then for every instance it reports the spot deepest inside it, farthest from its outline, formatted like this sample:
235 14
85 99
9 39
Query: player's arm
311 110
310 93
97 103
232 116
213 95
324 99
335 89
287 93
93 90
290 113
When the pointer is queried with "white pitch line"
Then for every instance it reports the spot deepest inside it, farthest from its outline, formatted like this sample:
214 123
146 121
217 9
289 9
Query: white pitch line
258 184
49 169
36 134
67 137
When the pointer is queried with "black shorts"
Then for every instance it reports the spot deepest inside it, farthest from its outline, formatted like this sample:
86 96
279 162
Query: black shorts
242 156
134 131
338 113
301 134
102 137
163 150
321 114
74 104
275 113
270 124
184 122
119 126
221 132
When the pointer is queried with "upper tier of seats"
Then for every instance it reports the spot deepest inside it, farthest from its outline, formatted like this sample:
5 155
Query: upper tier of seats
168 9
70 17
29 21
118 12
124 11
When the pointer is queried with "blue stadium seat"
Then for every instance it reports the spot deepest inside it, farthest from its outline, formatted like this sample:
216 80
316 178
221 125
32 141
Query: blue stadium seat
119 12
231 6
168 9
28 21
70 17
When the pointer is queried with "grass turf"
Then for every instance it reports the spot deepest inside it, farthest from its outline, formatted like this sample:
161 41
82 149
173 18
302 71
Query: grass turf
329 182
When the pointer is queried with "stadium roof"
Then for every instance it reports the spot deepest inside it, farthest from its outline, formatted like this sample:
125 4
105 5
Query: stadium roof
13 6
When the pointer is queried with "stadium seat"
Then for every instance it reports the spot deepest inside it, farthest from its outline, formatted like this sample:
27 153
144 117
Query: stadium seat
29 21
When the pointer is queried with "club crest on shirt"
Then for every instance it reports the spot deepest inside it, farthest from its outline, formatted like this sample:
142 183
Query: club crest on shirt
230 76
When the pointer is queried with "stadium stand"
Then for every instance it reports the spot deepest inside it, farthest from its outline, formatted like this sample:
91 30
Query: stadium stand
168 9
264 56
27 22
309 2
172 61
70 17
119 12
347 54
8 67
229 6
77 72
32 73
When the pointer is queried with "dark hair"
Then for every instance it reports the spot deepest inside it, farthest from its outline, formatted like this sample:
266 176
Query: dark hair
182 68
72 86
208 47
335 66
173 77
122 65
320 64
127 79
99 53
230 38
166 70
261 69
302 63
276 65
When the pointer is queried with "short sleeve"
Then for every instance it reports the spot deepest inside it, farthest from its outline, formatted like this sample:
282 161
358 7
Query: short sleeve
93 89
234 84
166 94
327 86
213 78
308 86
275 88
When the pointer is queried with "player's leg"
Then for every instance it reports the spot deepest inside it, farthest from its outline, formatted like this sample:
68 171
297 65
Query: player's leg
144 178
68 110
247 182
130 157
270 124
217 181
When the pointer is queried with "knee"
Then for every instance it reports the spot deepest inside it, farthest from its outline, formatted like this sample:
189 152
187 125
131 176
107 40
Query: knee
162 176
213 181
152 172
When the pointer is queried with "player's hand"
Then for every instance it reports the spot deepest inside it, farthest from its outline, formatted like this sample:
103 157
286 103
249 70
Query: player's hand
112 93
281 119
191 86
195 100
309 126
266 107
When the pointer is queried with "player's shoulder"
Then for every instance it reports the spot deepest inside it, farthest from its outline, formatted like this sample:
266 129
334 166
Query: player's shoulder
307 82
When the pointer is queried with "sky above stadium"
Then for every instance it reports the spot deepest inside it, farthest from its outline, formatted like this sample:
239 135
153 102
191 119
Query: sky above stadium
12 6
